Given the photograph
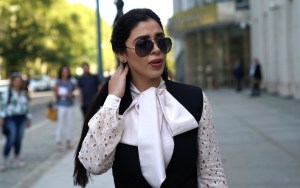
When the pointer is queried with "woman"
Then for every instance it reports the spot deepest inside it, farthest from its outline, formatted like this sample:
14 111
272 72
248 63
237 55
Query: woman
63 91
152 131
14 116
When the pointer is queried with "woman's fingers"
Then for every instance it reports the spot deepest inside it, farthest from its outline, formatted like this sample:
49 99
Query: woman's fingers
125 70
119 71
117 83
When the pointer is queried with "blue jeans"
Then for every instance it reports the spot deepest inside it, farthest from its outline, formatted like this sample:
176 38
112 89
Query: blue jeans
15 127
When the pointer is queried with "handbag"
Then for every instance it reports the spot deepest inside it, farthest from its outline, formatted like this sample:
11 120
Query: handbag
51 112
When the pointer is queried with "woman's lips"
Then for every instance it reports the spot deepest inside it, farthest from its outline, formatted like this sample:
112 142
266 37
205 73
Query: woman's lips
156 62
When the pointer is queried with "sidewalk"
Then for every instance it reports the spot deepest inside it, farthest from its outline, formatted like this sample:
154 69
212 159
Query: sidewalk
39 152
60 176
259 139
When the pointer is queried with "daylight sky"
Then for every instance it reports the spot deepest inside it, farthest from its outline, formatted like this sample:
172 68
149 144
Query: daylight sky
108 10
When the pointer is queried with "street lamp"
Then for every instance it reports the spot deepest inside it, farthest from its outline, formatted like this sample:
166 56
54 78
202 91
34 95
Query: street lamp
119 5
99 56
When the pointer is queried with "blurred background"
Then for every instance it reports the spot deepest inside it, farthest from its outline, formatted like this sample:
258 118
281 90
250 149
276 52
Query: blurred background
37 37
259 138
211 34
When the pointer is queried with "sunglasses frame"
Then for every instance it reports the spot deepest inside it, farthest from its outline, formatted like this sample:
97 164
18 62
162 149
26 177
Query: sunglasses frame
164 47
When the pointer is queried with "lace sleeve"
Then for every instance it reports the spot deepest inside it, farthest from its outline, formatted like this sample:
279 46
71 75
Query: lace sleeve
98 148
210 170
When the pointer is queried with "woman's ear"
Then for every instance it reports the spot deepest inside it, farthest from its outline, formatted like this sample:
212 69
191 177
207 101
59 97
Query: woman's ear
122 58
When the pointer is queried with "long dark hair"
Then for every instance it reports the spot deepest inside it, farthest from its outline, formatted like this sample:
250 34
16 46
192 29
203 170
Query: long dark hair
14 76
60 71
119 36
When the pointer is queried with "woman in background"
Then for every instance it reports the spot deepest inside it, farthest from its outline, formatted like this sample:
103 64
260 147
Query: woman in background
63 91
14 116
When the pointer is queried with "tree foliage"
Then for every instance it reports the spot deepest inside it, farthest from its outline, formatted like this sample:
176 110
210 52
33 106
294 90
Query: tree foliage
39 36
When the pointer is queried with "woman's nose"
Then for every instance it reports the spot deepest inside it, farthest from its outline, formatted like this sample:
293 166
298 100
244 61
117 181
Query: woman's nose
155 48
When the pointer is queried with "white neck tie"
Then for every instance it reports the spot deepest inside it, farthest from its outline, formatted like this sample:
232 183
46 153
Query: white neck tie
149 139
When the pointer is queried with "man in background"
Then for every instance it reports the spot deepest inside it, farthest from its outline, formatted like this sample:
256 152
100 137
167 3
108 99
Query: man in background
238 72
256 77
89 85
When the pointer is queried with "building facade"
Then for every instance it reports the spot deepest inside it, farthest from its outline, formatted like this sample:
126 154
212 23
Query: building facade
209 36
275 41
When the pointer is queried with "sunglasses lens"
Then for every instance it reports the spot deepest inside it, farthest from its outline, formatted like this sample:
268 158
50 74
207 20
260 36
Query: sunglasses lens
164 44
143 47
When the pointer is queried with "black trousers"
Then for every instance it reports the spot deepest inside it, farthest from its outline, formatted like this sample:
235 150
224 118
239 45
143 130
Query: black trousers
84 109
255 89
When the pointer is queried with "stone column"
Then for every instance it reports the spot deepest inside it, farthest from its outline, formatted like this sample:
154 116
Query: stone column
295 47
283 48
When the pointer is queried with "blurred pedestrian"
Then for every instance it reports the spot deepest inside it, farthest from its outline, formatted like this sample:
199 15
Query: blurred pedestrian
238 72
89 85
26 79
14 117
152 131
255 74
63 91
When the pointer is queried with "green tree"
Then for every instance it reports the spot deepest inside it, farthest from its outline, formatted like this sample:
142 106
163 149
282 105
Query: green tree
39 36
20 39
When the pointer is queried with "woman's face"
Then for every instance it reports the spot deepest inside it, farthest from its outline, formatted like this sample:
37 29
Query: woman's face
17 83
151 66
65 72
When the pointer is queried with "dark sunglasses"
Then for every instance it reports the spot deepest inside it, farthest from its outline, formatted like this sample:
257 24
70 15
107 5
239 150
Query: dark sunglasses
144 47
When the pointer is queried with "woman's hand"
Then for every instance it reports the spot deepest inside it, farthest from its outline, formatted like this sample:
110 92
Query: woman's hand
69 96
117 82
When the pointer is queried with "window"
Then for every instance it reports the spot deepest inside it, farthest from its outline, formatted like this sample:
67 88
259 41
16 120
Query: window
242 4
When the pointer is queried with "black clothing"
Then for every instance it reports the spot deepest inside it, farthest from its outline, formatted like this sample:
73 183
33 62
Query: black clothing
238 74
88 85
256 80
257 74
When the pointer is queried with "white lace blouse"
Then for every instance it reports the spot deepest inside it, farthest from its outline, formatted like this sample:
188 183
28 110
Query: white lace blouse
105 132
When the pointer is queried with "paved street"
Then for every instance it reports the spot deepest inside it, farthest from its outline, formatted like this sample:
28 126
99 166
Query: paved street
258 137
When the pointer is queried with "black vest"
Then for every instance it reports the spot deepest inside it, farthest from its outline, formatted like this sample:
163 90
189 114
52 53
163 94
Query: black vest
182 169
